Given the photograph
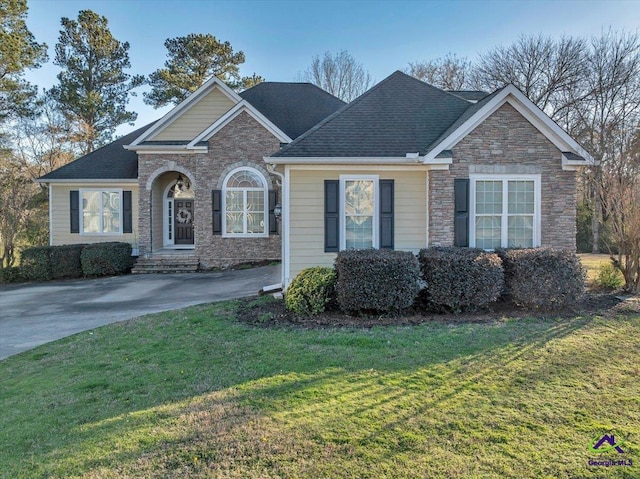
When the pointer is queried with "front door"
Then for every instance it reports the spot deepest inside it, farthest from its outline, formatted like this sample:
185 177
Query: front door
183 221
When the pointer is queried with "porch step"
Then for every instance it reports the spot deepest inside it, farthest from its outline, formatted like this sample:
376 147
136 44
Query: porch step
166 264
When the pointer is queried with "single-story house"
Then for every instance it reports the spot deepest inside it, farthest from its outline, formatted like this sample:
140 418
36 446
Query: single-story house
404 166
164 187
407 165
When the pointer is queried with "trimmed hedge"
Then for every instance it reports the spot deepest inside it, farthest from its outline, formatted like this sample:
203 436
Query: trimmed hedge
35 263
12 274
543 278
105 259
311 291
65 261
376 281
459 279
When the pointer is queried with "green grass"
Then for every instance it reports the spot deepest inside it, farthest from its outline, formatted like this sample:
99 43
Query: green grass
593 262
194 393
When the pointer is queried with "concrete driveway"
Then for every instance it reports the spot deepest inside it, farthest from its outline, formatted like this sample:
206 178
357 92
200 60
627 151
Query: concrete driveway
35 314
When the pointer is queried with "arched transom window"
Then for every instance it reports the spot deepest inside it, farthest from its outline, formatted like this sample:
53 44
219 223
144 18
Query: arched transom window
245 196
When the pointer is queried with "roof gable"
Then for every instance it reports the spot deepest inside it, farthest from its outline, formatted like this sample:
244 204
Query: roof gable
185 106
233 113
399 115
487 106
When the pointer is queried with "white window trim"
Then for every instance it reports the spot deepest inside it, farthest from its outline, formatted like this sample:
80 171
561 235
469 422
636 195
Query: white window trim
505 198
376 209
265 234
81 211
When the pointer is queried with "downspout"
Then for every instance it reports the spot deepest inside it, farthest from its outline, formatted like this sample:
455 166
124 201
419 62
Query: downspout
285 212
50 214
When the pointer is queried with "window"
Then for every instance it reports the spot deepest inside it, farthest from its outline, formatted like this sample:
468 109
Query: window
360 215
101 212
506 211
245 203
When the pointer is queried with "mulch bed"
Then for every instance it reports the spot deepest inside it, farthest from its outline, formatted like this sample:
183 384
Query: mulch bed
274 313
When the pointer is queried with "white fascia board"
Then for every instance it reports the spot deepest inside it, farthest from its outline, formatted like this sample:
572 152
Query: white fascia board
510 94
575 165
354 160
62 182
221 122
168 149
186 104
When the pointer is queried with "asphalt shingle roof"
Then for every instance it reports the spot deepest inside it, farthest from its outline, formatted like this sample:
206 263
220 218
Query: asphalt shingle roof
111 162
399 115
471 95
292 107
468 113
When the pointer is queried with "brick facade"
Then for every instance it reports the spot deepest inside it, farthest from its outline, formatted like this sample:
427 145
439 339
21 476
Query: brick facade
242 142
506 143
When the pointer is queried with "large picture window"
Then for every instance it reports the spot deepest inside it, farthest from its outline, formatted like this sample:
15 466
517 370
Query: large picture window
506 211
359 200
101 212
245 197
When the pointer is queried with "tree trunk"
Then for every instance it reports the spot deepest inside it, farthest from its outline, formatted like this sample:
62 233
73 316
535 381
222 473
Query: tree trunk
596 214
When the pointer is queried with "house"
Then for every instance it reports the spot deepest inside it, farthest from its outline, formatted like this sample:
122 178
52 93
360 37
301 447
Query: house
164 187
404 166
407 165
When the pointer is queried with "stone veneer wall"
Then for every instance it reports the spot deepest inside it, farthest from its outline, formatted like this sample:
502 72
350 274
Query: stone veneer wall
242 142
506 143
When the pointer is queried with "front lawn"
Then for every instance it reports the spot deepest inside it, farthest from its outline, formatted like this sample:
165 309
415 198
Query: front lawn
196 393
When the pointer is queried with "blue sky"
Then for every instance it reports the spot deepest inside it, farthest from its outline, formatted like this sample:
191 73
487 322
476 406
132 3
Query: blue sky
279 38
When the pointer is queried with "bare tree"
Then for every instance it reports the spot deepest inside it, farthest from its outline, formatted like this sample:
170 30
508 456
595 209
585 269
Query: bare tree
44 143
545 70
448 73
608 110
18 194
339 74
621 203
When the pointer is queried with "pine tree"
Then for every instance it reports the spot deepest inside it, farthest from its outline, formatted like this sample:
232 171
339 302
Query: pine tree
93 88
192 61
18 51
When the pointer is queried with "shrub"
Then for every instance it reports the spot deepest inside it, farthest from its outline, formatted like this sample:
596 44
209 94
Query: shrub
35 263
376 280
12 274
459 279
609 277
543 278
311 291
65 261
105 259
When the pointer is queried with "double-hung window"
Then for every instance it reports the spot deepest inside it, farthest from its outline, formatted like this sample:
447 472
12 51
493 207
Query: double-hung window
359 198
101 211
505 211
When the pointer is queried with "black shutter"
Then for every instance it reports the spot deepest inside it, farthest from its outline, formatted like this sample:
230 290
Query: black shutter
74 209
331 216
216 207
461 215
273 223
386 214
127 212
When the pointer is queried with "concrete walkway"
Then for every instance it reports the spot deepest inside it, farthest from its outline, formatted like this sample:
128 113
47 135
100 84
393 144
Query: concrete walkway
35 314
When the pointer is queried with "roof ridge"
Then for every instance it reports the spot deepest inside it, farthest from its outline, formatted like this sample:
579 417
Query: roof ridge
333 115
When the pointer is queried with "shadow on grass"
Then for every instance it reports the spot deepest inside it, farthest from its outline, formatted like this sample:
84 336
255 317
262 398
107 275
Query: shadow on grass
195 391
